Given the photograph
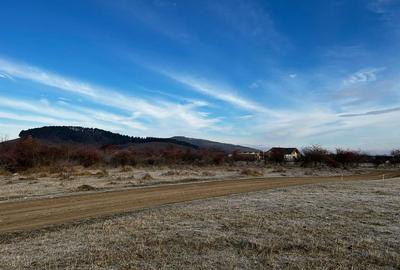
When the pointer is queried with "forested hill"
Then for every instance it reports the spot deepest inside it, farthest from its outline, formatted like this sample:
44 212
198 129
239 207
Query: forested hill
92 136
206 144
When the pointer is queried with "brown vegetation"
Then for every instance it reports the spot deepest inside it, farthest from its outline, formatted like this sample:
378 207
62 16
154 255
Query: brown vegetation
396 156
85 188
27 153
251 172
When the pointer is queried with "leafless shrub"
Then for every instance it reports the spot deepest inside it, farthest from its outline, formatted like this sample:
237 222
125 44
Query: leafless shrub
124 158
251 172
3 139
87 156
317 155
147 176
276 156
85 188
396 156
279 170
347 157
21 156
66 173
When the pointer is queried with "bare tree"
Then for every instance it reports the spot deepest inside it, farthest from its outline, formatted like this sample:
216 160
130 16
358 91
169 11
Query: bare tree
3 139
396 155
277 156
347 157
316 155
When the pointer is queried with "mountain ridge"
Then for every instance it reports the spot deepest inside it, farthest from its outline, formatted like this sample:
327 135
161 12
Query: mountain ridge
226 147
98 137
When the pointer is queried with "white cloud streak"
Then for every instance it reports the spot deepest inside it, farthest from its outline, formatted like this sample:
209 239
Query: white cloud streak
6 76
46 113
220 93
292 124
160 110
375 112
363 76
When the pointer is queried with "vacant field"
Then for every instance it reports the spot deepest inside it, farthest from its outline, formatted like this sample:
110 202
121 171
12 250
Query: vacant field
56 182
45 212
346 225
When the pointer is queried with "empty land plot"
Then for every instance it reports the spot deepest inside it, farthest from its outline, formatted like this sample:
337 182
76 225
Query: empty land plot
33 214
338 225
50 182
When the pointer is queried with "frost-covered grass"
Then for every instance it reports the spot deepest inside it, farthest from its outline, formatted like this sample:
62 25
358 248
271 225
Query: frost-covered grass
352 225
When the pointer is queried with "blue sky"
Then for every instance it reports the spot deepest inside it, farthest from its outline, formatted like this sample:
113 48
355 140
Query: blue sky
261 73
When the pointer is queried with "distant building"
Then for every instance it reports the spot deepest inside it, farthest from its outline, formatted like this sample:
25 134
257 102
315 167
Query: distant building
289 154
247 155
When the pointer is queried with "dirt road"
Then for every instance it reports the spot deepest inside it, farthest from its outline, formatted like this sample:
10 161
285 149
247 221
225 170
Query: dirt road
34 214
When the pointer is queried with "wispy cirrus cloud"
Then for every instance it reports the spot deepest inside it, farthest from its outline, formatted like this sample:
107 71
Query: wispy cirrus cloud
363 76
215 91
310 124
6 76
40 76
158 109
375 112
46 112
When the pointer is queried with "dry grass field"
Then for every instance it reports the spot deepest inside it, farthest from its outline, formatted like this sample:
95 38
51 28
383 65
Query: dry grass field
346 225
54 182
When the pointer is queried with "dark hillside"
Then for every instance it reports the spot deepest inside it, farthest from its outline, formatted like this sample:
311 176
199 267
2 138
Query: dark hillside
206 144
92 136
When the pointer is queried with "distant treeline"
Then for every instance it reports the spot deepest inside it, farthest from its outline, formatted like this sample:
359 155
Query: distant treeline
316 155
91 136
27 153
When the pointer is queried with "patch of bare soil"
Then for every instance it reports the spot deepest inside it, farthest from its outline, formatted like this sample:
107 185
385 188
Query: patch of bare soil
338 225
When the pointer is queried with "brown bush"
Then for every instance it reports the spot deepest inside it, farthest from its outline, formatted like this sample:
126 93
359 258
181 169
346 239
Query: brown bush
276 156
20 156
85 188
147 177
315 155
86 156
347 157
396 155
190 156
250 172
124 158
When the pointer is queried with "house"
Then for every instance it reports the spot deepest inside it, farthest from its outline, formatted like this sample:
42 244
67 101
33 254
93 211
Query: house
247 155
288 154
